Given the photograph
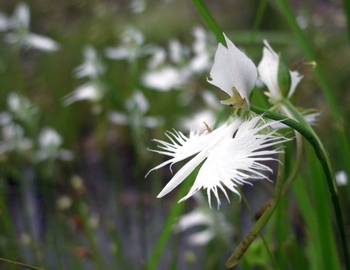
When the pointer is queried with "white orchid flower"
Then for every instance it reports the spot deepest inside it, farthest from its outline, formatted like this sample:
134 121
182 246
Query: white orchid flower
268 72
231 155
234 73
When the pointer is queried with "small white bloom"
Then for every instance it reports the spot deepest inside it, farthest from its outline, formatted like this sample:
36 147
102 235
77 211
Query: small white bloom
132 46
92 91
136 106
233 69
50 142
341 178
92 66
165 79
231 155
268 72
138 6
21 107
19 34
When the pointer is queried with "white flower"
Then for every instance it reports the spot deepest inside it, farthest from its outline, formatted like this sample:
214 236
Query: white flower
231 155
132 46
92 66
214 222
341 178
136 106
93 91
232 69
19 34
268 72
166 78
49 142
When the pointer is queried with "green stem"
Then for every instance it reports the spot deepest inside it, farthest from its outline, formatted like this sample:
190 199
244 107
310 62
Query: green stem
261 222
304 129
21 264
206 16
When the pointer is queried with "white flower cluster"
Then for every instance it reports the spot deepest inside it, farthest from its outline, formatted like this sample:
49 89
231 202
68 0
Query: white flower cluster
234 153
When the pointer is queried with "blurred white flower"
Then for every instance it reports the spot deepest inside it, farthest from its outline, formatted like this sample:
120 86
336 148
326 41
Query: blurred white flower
165 78
136 107
214 222
202 52
341 178
49 142
231 155
178 53
4 22
233 72
138 6
268 72
19 34
92 91
13 139
132 46
92 67
21 107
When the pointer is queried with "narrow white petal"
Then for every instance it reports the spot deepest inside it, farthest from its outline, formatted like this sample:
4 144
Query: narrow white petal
183 173
296 78
268 69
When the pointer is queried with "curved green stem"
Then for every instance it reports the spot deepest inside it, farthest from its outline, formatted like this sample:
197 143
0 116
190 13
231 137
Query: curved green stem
298 158
261 222
304 129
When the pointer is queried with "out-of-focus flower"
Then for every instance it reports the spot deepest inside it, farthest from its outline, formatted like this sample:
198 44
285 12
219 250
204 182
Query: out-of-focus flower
21 107
49 142
13 139
234 73
214 222
132 46
341 178
137 106
18 27
202 51
231 155
270 68
92 67
93 90
138 6
165 78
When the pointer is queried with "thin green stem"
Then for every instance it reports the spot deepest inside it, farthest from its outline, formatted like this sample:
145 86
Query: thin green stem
261 222
304 129
21 264
206 16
